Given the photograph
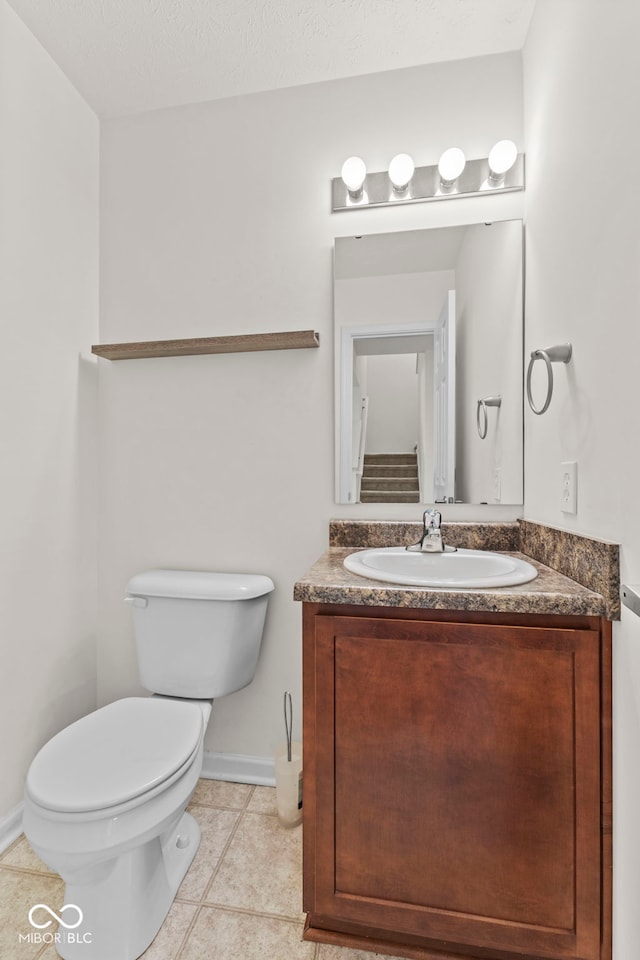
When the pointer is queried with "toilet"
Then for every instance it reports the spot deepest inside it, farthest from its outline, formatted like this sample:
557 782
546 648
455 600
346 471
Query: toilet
105 799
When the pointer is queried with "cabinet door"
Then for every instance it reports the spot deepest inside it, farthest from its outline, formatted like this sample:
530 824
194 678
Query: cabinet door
456 784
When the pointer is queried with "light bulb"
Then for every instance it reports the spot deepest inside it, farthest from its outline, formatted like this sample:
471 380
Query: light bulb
501 158
451 164
401 170
353 173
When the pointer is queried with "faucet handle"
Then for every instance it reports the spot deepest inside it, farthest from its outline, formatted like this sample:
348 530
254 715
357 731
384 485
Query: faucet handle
432 519
431 540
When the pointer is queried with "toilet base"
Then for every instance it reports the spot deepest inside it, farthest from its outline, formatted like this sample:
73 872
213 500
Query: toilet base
126 900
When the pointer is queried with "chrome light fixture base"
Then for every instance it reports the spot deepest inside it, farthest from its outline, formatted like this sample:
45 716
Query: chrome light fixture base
426 184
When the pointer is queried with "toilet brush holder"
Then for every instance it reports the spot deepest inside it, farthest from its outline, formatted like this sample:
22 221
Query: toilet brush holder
289 773
289 785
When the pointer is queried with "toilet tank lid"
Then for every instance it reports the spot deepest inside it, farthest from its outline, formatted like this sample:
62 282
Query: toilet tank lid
199 585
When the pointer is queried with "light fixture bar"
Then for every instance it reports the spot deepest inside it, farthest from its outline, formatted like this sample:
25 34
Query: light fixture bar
426 184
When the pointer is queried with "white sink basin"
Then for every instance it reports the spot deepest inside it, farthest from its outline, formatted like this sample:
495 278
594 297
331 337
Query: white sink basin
463 569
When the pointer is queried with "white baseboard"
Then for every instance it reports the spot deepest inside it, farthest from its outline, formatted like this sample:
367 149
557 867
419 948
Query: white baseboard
11 827
239 768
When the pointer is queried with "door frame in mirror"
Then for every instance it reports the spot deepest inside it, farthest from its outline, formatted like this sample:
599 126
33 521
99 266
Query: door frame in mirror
345 345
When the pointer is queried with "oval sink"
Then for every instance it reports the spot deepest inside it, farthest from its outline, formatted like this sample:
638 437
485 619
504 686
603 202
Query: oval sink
463 569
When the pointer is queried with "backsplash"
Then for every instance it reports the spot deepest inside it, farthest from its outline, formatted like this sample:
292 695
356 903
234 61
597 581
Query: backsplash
593 563
383 533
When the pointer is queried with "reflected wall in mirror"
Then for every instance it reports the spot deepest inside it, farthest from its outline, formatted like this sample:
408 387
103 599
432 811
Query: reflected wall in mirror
428 324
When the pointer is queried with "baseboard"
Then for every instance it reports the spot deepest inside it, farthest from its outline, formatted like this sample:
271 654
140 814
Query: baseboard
11 827
238 768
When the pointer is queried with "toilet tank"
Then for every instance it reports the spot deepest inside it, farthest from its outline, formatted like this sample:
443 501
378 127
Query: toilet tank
197 634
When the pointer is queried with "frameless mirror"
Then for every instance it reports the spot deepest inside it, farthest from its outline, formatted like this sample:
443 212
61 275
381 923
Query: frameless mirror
429 341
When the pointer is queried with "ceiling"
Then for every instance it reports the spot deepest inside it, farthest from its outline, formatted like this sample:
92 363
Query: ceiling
129 56
405 251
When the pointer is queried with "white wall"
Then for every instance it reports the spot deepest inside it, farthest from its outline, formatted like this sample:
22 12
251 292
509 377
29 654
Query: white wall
215 219
392 388
426 425
489 337
582 100
403 298
48 310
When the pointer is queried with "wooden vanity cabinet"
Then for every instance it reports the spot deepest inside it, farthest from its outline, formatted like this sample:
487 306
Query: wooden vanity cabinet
457 783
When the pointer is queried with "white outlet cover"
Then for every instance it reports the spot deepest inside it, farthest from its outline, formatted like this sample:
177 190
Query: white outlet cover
569 487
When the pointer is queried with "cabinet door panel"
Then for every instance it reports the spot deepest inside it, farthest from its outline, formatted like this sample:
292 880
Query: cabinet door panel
464 800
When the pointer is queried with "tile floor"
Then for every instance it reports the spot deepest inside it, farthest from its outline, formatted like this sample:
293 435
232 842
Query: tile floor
240 900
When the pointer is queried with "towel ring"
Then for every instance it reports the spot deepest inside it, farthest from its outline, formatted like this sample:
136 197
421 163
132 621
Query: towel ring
483 422
559 354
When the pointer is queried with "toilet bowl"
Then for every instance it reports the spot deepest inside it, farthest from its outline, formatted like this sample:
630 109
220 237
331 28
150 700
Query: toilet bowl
105 799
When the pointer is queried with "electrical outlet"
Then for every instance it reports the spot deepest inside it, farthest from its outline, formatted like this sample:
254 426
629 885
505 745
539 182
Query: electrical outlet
569 487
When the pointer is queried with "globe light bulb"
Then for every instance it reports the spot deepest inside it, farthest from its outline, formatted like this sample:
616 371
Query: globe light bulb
401 170
451 164
353 173
502 157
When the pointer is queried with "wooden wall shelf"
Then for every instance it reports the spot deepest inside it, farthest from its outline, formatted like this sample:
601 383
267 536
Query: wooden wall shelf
286 340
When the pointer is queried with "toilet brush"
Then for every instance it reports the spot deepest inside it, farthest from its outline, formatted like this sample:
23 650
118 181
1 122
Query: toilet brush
289 772
288 722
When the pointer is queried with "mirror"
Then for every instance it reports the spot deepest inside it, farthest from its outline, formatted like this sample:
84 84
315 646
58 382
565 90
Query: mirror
429 375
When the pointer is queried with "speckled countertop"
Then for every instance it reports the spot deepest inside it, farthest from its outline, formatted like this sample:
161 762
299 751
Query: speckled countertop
552 592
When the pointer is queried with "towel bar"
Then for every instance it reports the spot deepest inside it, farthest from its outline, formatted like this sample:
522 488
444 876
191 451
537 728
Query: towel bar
484 420
559 354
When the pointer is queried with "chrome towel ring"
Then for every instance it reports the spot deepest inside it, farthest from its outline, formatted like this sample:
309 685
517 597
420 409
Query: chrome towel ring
483 421
558 354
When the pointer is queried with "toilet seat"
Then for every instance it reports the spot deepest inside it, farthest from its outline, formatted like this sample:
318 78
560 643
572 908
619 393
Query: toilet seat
126 750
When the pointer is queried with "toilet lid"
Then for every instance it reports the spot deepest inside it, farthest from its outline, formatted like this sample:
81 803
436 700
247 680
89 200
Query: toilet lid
117 753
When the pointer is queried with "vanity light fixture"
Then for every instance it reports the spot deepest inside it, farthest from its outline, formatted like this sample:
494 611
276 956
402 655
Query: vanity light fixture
502 157
453 176
401 171
353 175
450 166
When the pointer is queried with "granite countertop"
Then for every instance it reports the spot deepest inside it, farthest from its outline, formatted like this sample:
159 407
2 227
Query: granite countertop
328 581
552 592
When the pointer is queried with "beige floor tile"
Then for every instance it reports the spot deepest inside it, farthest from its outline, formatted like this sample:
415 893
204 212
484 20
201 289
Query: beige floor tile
21 855
219 793
18 893
263 801
171 935
230 936
10 848
216 827
262 869
50 953
329 952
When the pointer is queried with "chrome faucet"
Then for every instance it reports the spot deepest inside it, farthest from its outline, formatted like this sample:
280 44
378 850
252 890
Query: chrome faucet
431 540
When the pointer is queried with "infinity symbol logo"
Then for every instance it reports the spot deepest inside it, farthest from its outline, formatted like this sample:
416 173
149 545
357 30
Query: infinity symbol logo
43 906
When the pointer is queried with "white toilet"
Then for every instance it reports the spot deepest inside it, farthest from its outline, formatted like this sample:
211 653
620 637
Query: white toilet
105 799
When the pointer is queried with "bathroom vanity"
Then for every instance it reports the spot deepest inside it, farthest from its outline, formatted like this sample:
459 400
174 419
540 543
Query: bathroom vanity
457 759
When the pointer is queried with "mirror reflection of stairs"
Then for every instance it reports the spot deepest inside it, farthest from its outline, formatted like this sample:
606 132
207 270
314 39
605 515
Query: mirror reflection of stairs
390 478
